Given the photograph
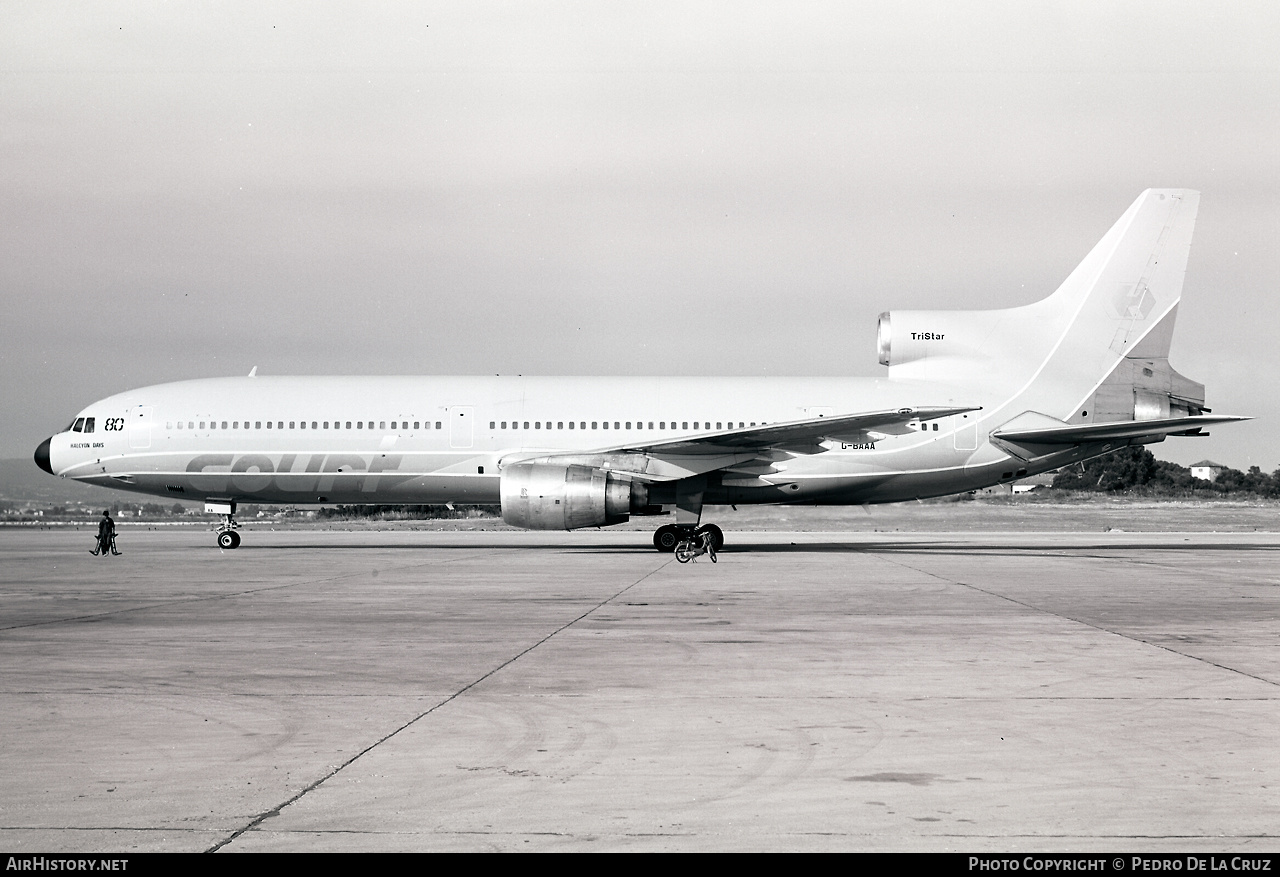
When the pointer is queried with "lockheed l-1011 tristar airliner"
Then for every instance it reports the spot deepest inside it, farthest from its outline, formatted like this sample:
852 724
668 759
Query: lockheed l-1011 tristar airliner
971 399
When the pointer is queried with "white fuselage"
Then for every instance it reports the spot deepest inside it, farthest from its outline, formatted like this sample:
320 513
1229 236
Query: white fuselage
409 440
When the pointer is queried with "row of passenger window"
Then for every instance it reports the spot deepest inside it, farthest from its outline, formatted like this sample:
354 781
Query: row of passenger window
404 424
299 424
617 424
86 424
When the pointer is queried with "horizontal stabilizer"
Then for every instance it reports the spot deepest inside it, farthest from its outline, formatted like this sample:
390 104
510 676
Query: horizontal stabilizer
1086 433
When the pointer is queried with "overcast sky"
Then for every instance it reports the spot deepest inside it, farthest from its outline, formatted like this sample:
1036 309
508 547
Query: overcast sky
193 189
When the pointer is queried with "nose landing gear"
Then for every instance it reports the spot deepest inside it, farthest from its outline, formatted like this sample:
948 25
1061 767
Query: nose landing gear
228 538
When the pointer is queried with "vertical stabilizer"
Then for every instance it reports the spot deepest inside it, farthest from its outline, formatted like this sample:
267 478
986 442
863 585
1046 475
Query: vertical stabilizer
1129 285
1118 305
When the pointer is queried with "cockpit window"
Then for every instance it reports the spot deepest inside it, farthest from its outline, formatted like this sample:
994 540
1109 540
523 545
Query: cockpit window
78 426
88 424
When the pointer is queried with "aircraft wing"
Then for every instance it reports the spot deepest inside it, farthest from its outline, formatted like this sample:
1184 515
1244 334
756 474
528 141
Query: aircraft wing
1085 433
795 435
671 459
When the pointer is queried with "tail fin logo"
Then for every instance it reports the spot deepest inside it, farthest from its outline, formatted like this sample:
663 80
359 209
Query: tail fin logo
1133 302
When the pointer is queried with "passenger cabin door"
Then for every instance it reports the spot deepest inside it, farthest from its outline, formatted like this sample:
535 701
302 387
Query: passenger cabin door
966 435
140 426
461 426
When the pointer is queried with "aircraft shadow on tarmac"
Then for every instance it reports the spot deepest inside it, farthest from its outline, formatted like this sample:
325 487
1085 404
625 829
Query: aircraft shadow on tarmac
852 546
965 547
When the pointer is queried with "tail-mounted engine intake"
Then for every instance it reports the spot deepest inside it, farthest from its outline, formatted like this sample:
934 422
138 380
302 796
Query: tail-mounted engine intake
540 496
910 336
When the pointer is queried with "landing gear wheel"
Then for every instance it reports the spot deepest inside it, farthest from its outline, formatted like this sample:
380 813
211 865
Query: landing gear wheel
717 535
228 539
667 537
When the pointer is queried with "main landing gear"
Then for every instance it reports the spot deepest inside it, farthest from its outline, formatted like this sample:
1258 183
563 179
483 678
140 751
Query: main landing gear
670 537
228 538
685 537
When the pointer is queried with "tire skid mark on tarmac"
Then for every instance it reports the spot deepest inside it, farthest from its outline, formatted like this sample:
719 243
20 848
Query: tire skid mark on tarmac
576 745
275 811
779 763
1080 621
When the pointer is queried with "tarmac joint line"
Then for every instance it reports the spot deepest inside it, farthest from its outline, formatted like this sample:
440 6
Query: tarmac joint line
1081 621
279 808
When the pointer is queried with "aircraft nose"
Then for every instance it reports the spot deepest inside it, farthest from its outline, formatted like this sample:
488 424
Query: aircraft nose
42 456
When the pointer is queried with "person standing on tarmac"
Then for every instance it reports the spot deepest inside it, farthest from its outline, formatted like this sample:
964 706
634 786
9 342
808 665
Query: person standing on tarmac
106 535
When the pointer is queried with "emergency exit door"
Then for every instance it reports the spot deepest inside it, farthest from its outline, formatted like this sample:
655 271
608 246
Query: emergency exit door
139 423
966 431
462 428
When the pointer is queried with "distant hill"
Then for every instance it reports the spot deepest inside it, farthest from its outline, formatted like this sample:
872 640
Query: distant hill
21 480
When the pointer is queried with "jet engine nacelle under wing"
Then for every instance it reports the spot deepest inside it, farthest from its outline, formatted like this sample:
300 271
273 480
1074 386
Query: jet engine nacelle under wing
540 496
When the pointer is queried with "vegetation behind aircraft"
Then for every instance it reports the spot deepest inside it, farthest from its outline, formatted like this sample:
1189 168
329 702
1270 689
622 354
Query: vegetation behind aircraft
1135 469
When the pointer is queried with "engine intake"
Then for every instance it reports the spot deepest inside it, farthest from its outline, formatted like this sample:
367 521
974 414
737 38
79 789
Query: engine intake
910 336
538 496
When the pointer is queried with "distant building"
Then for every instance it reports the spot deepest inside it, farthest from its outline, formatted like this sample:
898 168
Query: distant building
1034 482
1207 470
1023 485
1004 489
